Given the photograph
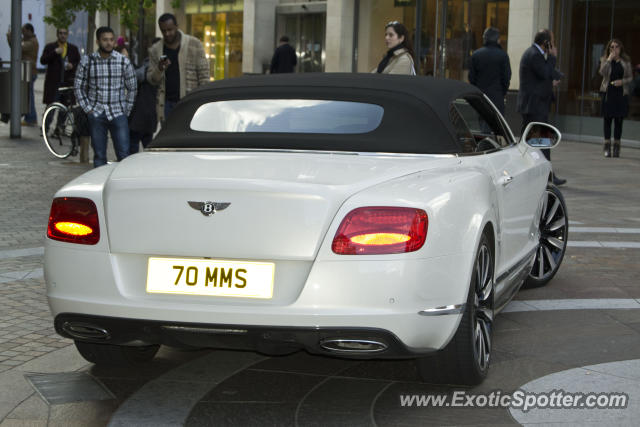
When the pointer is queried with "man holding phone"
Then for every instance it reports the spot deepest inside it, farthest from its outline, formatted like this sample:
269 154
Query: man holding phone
538 76
177 65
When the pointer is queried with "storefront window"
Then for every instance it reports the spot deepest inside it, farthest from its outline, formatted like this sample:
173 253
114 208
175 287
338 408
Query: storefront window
218 25
583 28
461 23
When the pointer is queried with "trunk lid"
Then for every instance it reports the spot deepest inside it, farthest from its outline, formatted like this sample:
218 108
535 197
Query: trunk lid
280 204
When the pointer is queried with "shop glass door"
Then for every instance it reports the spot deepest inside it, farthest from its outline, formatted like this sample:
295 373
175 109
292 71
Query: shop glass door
460 23
306 34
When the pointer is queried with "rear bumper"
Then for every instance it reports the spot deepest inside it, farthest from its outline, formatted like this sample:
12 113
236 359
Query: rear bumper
349 342
367 294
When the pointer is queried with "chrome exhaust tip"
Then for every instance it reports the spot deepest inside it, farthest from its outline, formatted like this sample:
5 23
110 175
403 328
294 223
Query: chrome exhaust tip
85 331
352 346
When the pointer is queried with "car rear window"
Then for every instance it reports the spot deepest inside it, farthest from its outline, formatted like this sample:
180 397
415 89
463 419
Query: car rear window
287 116
311 117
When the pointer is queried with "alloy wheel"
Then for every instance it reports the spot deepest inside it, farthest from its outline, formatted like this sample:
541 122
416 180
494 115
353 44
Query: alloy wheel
553 237
483 304
465 359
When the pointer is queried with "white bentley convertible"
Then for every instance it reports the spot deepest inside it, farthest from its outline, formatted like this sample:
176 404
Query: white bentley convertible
354 215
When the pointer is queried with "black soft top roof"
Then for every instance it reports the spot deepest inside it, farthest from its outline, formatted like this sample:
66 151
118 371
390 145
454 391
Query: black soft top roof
416 112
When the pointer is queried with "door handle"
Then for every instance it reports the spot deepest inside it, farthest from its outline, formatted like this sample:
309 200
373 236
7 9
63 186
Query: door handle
506 180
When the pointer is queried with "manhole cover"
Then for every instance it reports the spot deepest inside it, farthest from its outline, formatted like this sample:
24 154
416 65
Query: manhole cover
67 387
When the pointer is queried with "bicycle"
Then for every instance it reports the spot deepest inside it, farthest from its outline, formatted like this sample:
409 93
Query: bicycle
63 138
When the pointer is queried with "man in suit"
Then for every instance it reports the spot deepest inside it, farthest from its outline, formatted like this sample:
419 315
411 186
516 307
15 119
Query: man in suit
490 69
537 73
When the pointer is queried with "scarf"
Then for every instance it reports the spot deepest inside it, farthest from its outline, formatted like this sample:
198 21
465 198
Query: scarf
385 61
64 49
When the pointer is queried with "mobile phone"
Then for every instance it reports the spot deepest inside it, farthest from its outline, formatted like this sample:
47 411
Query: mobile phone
163 57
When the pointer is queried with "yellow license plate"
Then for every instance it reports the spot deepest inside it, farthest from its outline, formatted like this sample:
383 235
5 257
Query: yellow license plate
210 277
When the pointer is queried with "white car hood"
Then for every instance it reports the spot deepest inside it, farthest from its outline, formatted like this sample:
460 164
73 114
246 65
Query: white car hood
281 203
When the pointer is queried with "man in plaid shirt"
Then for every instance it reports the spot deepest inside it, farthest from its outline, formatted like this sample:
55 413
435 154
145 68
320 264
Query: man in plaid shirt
105 87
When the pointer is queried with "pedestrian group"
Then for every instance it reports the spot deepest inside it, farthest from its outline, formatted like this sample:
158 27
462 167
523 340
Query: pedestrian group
114 98
118 99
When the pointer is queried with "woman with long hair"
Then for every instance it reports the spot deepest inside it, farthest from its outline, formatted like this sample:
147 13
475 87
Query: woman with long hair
399 56
615 69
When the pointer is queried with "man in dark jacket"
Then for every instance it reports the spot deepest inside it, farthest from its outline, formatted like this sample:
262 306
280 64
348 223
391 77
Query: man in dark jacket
537 72
61 59
490 69
284 58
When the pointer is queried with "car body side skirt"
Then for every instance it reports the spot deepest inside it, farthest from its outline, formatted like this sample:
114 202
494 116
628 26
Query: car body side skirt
512 279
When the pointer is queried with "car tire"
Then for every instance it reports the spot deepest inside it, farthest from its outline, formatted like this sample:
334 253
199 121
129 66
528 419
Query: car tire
554 234
465 360
109 354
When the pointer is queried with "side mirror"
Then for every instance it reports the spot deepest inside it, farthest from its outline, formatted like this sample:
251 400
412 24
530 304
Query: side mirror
541 135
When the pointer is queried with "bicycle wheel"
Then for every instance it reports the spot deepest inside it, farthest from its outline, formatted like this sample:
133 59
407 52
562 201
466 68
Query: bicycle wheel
58 131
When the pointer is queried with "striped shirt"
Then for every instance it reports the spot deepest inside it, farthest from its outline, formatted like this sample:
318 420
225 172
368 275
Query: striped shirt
106 85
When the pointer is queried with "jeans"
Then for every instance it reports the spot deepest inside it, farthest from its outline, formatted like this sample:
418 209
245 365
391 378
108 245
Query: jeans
617 130
135 138
31 116
119 130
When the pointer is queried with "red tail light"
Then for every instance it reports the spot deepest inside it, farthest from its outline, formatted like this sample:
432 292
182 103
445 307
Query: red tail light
74 220
381 230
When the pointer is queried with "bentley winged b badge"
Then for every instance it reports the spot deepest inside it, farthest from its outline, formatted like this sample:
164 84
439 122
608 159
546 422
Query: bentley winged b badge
208 208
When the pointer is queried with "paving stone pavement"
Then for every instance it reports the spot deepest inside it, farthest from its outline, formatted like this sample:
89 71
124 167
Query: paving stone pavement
26 328
599 194
29 178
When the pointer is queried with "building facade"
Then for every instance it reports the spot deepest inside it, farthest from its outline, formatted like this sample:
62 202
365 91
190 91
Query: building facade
348 36
582 30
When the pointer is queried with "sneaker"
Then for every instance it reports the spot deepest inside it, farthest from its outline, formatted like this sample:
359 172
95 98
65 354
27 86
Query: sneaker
34 124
